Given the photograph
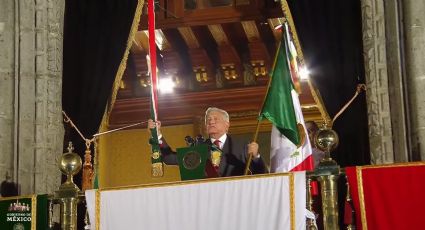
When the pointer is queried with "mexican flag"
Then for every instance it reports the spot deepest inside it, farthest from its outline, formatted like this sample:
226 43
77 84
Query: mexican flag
290 146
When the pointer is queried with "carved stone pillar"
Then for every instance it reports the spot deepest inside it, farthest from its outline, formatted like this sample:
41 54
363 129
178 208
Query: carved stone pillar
400 25
374 49
31 131
48 96
7 70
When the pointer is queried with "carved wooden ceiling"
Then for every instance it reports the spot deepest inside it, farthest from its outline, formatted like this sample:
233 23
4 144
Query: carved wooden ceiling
217 56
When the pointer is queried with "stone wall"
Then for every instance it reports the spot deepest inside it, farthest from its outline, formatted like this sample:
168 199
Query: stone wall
30 105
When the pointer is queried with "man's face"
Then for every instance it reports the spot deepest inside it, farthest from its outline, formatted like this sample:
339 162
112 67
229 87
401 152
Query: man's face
216 125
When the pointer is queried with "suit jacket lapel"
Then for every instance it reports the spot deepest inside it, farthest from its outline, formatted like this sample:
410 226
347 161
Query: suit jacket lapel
209 143
223 161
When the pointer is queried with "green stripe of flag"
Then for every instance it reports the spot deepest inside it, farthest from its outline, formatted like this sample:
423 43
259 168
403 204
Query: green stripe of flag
278 106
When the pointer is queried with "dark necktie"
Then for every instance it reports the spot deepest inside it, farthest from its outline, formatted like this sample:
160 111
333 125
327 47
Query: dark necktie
217 143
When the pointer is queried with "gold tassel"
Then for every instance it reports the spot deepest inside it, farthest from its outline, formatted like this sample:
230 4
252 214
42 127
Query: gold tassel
87 169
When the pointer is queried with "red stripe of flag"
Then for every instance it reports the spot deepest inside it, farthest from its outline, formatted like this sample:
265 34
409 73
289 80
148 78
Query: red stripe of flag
152 54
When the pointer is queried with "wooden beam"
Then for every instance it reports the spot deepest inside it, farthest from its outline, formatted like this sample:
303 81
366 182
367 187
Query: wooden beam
214 15
184 108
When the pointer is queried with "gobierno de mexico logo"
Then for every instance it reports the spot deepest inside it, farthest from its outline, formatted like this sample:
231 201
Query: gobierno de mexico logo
19 212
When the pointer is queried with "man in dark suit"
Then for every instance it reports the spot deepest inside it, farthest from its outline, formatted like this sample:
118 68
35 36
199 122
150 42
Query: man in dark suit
234 154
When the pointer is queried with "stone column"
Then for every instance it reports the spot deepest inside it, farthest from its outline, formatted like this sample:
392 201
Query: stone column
25 77
7 75
414 29
397 86
374 49
30 105
48 96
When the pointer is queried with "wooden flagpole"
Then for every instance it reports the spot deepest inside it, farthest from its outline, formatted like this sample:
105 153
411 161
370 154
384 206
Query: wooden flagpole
257 129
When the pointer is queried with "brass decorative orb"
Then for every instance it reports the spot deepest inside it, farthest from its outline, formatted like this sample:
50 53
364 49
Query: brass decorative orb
326 140
70 163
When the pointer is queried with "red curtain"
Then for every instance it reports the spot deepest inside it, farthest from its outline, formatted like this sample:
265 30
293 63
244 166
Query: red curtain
388 196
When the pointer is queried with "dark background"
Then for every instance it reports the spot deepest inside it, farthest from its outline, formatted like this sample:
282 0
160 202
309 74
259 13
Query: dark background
95 38
330 33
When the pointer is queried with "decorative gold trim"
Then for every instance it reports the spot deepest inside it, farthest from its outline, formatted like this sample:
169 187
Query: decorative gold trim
97 208
361 197
292 199
16 197
418 163
96 163
33 212
202 181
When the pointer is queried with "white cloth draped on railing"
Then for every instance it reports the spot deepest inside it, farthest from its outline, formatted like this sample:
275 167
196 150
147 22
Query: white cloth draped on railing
261 202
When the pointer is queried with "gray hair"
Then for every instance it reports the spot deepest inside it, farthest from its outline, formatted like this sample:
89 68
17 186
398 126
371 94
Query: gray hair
214 109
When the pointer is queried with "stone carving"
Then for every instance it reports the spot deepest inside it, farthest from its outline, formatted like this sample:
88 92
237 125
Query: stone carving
34 134
49 135
374 48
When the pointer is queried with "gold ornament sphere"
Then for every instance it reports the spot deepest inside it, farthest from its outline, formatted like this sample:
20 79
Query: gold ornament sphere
326 140
70 164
